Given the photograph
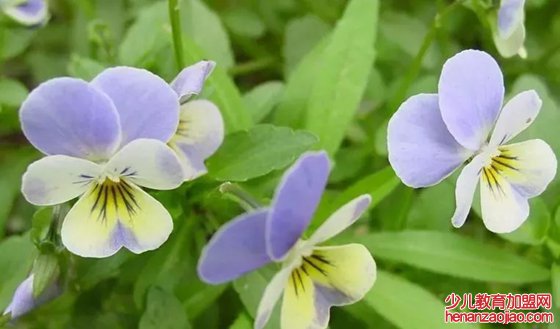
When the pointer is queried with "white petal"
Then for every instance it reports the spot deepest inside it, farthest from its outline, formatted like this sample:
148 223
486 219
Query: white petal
58 178
516 115
465 188
191 79
330 276
114 215
503 208
271 295
512 45
341 219
199 135
149 163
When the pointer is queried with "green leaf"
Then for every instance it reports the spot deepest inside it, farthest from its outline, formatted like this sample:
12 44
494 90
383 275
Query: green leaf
244 22
555 273
41 221
407 305
433 208
163 311
13 41
302 34
13 92
535 229
454 255
221 89
378 185
243 321
12 166
198 302
264 148
91 272
203 25
250 289
147 35
262 99
343 77
405 33
84 68
165 266
16 254
291 111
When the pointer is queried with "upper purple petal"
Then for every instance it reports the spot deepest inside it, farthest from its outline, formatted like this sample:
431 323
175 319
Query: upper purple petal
147 106
68 116
191 79
22 301
237 248
471 91
30 12
510 15
295 202
421 150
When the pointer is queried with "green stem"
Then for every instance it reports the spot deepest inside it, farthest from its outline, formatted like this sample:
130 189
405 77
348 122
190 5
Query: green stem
416 65
175 18
239 195
252 66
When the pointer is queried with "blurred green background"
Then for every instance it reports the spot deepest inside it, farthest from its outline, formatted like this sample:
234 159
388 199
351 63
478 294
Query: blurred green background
291 75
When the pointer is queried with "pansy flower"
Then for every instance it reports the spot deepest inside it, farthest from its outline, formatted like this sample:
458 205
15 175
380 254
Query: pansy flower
312 278
431 135
104 140
26 12
509 30
23 301
201 128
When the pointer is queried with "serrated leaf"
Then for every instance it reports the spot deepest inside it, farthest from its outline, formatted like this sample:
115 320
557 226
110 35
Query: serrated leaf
264 148
343 77
455 255
393 296
163 311
262 99
12 92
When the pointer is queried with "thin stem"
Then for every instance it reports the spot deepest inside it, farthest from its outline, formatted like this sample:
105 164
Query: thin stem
252 66
238 194
414 68
175 18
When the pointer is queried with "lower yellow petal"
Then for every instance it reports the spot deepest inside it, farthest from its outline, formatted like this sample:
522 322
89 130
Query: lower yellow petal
112 215
330 276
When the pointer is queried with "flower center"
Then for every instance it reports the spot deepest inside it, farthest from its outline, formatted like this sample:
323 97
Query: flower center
112 197
313 267
501 163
